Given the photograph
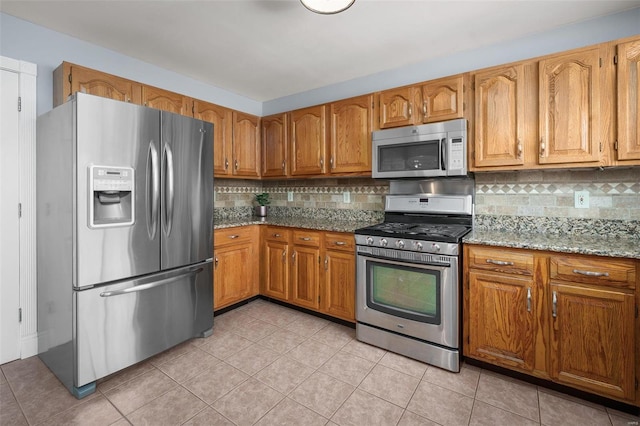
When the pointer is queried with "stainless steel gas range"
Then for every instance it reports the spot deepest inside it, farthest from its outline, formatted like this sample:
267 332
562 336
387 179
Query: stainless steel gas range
408 271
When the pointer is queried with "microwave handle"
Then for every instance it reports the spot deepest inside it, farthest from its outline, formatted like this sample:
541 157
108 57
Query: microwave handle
443 153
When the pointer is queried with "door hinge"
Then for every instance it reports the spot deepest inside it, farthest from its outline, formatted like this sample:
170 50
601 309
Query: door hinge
600 61
600 146
19 314
615 59
19 103
69 77
19 209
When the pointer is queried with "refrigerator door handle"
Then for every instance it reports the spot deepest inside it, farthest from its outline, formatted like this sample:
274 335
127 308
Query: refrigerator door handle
168 189
151 285
153 190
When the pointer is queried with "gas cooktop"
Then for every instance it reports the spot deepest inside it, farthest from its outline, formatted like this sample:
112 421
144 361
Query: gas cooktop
450 233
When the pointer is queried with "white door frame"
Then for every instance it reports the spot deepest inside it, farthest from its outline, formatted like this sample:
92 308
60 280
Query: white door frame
27 184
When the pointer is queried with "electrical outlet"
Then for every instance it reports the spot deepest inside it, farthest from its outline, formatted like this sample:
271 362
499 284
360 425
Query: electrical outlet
346 197
289 195
581 199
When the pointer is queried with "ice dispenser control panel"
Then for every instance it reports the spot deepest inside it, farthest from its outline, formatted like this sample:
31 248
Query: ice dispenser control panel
111 196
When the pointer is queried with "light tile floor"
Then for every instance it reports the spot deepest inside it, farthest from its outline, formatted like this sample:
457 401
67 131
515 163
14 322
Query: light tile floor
269 365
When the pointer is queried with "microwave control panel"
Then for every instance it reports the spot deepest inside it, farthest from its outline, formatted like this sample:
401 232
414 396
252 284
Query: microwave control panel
456 154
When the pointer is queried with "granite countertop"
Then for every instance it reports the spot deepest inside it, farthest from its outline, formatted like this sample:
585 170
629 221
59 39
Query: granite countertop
296 222
582 244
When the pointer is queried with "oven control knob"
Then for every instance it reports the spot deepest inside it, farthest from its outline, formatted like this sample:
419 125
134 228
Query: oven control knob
383 242
417 245
400 244
370 241
435 247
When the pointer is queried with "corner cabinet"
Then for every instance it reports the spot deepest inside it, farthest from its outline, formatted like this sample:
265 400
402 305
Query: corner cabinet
235 265
628 83
246 145
571 120
275 143
351 122
570 319
308 141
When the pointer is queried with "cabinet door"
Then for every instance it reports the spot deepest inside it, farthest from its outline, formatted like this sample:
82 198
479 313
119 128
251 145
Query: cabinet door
396 107
499 117
246 145
629 101
443 99
502 319
274 145
570 108
276 269
222 134
305 276
233 274
592 339
339 284
165 100
350 138
97 83
308 141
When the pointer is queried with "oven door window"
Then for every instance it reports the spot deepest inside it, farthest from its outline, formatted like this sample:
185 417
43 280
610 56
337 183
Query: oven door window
408 292
423 155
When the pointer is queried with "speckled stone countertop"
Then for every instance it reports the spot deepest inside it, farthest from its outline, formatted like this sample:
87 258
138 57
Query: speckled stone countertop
617 246
320 224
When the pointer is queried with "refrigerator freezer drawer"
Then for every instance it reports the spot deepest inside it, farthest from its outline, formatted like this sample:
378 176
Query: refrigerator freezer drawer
121 324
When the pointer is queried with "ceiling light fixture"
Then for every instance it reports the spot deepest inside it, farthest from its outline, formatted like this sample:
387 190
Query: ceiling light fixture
327 7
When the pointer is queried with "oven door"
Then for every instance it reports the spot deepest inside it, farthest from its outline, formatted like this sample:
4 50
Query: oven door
413 299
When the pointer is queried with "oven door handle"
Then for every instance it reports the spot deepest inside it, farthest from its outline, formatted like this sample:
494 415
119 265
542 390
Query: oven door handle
415 264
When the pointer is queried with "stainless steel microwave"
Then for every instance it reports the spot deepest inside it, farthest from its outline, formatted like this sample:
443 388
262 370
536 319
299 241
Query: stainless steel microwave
426 150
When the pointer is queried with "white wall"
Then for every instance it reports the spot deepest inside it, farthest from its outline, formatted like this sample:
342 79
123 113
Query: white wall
23 40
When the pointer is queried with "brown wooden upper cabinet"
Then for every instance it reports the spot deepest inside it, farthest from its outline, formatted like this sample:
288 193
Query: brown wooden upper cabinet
435 100
351 122
499 116
165 100
221 118
274 145
307 130
69 78
628 55
570 114
246 145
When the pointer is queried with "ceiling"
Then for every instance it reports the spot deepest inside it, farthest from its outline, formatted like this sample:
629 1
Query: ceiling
265 50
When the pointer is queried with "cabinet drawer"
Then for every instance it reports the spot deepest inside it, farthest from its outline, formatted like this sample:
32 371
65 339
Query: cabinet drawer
500 259
275 234
306 238
590 270
222 237
343 242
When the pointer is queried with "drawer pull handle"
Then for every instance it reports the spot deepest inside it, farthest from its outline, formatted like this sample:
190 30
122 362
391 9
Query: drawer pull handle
529 299
340 243
554 301
276 235
591 273
233 237
305 238
500 262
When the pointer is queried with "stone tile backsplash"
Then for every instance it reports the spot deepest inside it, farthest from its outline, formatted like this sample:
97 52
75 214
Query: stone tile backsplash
537 201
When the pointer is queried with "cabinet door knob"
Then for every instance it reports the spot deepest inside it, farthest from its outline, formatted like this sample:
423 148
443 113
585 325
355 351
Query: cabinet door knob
410 111
331 162
321 162
554 302
529 299
519 149
226 164
215 263
283 166
284 256
326 263
424 109
236 164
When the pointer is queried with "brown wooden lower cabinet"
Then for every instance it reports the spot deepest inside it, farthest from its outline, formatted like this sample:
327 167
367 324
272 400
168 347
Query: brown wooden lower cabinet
566 318
311 269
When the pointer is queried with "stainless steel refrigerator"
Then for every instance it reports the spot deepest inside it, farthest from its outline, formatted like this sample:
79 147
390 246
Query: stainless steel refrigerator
125 236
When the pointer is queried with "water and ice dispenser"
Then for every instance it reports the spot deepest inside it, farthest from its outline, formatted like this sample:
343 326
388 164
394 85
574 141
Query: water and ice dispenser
112 196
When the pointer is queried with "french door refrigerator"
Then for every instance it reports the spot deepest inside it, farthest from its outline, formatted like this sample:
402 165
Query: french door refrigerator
124 233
